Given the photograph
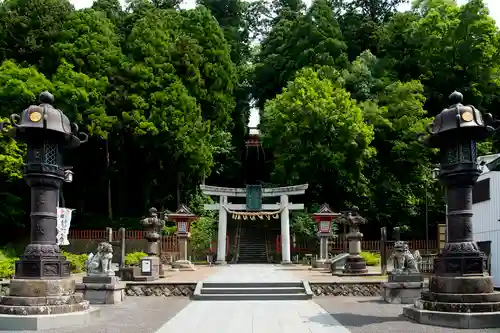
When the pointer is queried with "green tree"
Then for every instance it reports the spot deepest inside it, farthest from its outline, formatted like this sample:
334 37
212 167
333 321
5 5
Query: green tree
318 136
296 42
29 28
456 44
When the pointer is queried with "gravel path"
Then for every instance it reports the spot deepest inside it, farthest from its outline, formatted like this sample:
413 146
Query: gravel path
370 315
135 315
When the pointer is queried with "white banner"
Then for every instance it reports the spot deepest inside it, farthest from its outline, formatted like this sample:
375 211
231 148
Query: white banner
63 224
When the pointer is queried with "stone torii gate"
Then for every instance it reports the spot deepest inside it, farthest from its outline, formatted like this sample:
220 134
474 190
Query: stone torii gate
254 203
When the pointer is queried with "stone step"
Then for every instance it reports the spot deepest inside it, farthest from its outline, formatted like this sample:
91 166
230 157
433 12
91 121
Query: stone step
460 307
251 297
461 298
284 284
253 251
44 309
252 248
260 258
260 290
42 301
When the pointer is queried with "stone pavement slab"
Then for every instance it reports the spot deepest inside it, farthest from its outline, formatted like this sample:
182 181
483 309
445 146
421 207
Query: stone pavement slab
372 315
252 273
253 317
135 315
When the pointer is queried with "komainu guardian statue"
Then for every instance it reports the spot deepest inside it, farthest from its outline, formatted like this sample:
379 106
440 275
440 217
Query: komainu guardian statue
405 262
100 263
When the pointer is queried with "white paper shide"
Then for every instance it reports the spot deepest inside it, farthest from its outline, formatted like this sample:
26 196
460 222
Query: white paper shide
63 224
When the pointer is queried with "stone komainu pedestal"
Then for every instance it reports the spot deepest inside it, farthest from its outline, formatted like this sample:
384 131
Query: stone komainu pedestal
42 293
402 288
461 294
102 289
101 286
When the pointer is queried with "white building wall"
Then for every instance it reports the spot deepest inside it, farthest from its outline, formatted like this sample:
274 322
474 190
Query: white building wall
485 224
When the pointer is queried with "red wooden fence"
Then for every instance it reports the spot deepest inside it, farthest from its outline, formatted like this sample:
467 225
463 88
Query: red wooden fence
168 243
338 245
101 234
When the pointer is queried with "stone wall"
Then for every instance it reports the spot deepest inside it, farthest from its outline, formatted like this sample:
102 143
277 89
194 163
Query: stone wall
187 289
347 289
161 289
319 289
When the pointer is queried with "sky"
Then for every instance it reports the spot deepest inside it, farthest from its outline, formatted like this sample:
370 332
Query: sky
493 6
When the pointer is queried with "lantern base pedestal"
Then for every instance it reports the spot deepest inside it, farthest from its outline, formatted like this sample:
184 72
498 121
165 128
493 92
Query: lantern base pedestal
44 304
458 302
183 265
355 265
42 267
149 270
321 264
452 319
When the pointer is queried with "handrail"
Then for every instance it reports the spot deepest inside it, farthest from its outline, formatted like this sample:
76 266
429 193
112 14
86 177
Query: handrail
267 245
237 242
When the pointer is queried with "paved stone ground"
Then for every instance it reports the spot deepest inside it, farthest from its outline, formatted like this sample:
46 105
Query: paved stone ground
252 273
253 317
370 315
320 315
135 315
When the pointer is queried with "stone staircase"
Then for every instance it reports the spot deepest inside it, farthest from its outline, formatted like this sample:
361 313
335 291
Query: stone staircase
252 243
252 291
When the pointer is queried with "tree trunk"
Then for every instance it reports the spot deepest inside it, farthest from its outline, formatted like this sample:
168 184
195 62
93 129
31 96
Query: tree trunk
110 203
179 185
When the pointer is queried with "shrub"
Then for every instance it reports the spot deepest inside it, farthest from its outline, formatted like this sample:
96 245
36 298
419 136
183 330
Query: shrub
77 261
169 230
8 259
372 259
7 266
133 258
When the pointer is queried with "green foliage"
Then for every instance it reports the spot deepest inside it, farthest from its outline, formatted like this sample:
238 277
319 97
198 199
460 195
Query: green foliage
372 259
296 41
134 258
8 257
169 230
202 232
303 226
314 127
77 261
343 87
7 266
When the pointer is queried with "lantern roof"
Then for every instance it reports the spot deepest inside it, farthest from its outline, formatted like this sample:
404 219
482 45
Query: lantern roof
182 213
325 210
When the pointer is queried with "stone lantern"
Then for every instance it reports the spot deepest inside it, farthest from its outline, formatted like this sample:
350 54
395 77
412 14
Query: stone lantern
461 294
355 264
151 267
324 220
183 218
42 283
